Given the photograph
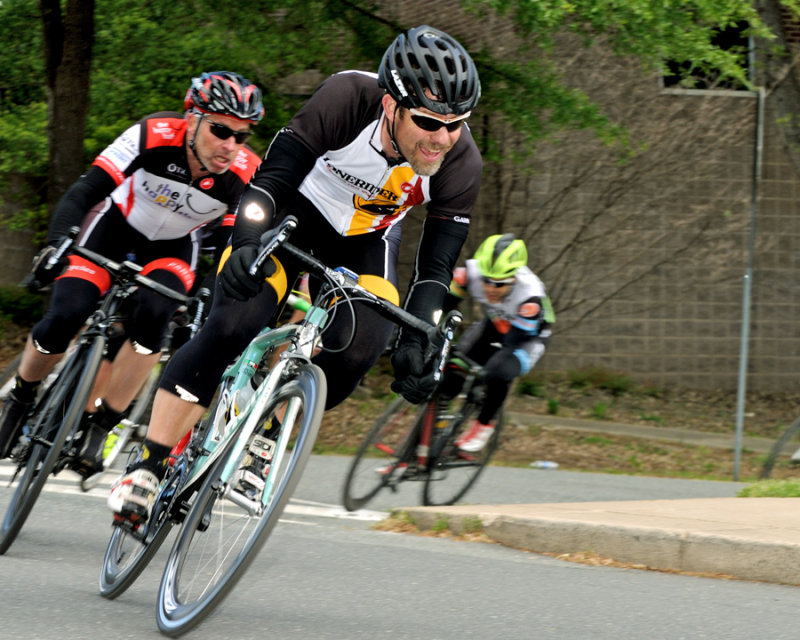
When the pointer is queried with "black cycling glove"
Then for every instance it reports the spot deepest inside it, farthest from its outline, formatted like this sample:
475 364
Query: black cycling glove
413 380
44 273
235 277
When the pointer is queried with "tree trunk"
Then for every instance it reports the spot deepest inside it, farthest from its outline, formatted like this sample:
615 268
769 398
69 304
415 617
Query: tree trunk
68 60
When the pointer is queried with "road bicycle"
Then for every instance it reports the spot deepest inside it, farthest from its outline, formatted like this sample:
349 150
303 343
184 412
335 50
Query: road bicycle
186 322
228 485
418 443
49 442
788 441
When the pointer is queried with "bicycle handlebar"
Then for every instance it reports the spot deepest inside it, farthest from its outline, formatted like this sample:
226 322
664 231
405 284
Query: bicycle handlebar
438 336
130 270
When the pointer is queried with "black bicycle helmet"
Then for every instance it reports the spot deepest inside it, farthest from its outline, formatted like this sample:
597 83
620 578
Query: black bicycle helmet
427 58
226 93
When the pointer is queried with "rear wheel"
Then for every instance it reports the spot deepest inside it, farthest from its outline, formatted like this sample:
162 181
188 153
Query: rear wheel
55 419
230 518
453 472
379 461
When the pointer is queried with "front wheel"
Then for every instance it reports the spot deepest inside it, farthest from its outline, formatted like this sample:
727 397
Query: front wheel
231 516
453 472
56 418
383 457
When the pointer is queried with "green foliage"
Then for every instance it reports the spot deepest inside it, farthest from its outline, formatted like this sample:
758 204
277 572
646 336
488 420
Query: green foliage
144 59
20 306
552 406
531 385
772 489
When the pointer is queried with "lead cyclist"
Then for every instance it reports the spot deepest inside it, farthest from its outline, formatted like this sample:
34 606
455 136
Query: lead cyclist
349 165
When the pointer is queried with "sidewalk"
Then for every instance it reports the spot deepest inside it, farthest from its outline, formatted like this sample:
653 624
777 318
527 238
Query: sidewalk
747 538
683 436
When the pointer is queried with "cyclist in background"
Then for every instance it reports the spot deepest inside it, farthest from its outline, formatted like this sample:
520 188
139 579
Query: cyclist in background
349 165
158 184
511 337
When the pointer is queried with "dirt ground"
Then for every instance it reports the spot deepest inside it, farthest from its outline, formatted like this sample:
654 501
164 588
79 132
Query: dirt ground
765 415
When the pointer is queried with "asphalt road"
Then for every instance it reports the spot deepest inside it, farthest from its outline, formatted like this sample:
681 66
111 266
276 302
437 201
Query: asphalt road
328 575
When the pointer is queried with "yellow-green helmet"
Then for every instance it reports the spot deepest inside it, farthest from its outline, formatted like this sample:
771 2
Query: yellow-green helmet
500 256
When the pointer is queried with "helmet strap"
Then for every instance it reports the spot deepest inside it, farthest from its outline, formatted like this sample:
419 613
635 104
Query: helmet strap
192 142
390 128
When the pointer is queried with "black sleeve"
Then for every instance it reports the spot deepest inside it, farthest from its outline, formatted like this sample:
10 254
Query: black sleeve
439 248
283 169
84 194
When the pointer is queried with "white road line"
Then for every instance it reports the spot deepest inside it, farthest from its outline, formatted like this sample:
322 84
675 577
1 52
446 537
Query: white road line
67 483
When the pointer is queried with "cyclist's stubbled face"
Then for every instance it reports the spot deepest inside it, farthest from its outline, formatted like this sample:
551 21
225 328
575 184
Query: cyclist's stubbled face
215 153
424 150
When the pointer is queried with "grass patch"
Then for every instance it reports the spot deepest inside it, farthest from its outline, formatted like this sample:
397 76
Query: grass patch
599 378
601 441
772 489
599 411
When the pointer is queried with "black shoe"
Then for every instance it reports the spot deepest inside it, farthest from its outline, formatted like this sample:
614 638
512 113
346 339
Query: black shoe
91 439
12 418
89 459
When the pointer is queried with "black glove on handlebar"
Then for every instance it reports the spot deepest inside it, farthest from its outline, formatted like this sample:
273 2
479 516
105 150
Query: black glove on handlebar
235 277
43 273
412 381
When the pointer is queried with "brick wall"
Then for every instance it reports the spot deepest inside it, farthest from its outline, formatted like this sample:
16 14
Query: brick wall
658 292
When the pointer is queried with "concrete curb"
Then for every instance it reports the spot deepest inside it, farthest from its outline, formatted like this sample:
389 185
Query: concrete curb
747 538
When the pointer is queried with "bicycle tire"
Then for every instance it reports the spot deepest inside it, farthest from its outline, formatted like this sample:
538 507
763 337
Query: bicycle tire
452 472
180 607
791 432
389 443
60 415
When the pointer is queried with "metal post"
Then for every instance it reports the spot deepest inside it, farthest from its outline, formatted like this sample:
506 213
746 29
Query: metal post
748 285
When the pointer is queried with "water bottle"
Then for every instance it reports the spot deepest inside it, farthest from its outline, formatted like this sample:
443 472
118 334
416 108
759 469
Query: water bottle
544 464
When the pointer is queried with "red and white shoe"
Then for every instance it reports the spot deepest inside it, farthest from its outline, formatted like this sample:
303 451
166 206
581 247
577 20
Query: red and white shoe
475 438
133 495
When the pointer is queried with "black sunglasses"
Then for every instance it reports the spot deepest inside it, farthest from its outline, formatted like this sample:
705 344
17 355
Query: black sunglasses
223 133
497 284
428 123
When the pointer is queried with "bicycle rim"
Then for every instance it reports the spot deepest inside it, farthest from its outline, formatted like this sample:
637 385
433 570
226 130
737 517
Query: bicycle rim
58 417
377 462
453 472
220 538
